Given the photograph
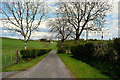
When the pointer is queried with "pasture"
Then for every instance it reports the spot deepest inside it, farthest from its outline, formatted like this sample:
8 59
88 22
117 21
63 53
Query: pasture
9 45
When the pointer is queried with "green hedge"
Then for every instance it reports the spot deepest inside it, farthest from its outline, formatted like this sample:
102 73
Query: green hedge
64 47
62 50
89 51
92 51
83 51
117 44
117 47
32 53
103 55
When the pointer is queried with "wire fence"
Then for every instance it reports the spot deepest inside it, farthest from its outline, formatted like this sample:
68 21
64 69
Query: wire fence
7 60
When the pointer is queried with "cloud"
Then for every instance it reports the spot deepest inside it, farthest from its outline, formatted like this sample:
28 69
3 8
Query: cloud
41 34
5 31
113 29
1 24
38 35
50 2
112 24
43 28
115 10
110 30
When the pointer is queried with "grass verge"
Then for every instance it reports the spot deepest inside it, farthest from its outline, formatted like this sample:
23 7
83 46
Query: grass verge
80 69
24 65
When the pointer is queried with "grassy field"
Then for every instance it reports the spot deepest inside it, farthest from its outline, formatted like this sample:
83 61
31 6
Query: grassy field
80 69
9 45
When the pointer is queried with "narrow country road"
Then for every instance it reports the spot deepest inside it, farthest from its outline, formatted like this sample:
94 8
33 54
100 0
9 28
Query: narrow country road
49 67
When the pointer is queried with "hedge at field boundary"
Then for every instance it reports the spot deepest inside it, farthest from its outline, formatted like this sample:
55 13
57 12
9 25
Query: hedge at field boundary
32 53
105 56
83 51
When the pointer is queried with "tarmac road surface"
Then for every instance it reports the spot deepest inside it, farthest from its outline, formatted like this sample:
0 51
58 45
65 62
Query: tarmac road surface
49 67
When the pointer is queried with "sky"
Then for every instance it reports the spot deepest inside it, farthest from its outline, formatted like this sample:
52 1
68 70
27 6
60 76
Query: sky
111 25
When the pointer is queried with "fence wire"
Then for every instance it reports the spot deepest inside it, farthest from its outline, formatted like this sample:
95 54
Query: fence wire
7 59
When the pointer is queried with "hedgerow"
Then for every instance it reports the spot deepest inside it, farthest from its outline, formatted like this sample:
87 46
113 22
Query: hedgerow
32 53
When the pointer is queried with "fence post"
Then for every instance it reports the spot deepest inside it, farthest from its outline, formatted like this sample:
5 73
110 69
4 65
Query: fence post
11 57
17 56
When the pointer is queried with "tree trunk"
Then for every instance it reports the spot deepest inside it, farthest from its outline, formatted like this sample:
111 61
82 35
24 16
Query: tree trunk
77 35
25 44
77 38
63 40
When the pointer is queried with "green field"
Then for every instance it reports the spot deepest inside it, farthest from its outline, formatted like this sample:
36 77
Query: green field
9 45
80 69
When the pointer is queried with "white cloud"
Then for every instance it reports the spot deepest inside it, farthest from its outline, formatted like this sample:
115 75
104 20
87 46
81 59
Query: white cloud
5 31
115 10
1 24
50 2
43 26
113 31
41 34
38 35
15 37
113 27
8 24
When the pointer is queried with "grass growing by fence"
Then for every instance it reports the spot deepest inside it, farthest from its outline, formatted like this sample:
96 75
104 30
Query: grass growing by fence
79 68
8 59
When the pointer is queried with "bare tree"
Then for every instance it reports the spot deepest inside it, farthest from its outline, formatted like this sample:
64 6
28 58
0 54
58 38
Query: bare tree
78 14
61 29
23 17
